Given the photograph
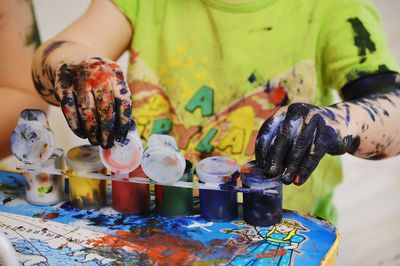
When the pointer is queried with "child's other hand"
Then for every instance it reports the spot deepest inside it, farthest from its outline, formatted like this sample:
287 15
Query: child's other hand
95 100
293 141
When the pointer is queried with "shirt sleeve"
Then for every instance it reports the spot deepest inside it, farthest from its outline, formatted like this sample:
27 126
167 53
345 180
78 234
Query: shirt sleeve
353 43
129 8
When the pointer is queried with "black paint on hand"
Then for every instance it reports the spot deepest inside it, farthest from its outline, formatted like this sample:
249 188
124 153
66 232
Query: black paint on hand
292 142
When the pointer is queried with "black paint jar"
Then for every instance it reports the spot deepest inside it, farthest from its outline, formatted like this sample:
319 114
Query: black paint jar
262 206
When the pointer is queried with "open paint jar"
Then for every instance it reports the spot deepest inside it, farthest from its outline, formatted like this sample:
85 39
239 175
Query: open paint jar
162 162
123 159
217 205
86 193
176 201
43 188
262 206
32 141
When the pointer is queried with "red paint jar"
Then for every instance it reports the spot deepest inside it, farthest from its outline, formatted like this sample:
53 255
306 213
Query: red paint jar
131 198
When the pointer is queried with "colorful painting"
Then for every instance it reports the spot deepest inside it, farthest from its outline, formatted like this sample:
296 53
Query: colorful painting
51 234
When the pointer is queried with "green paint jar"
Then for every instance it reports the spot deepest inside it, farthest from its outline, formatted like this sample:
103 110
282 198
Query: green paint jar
176 201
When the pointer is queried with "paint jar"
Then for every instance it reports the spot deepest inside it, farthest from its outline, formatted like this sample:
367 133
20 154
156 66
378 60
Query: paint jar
218 206
44 188
176 201
162 162
131 198
262 206
32 141
86 193
123 159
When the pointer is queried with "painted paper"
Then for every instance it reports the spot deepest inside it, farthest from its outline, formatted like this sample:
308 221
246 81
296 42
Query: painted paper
106 237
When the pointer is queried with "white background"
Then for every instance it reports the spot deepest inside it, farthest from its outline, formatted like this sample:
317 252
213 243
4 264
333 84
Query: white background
368 200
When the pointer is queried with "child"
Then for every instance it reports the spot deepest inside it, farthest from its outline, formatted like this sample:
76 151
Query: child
211 72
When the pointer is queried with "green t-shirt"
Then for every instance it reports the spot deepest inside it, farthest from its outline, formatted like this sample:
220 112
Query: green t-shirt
210 72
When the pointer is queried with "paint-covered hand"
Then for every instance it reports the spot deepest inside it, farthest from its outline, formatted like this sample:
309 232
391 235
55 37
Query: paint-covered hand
293 141
95 100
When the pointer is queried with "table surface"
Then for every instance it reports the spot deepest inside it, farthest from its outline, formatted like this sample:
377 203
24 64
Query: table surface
60 234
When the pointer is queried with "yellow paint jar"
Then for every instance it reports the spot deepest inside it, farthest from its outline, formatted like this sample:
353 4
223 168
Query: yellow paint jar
85 193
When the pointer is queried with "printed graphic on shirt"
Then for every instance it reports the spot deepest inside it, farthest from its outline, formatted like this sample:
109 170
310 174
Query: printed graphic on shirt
228 130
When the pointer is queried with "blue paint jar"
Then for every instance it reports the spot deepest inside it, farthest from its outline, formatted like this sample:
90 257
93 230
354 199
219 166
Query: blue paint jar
218 206
262 206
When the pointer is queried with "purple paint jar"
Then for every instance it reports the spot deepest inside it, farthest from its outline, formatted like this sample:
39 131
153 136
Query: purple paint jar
262 206
218 206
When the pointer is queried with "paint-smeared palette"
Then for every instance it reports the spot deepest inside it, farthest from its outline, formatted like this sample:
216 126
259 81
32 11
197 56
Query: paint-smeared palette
104 237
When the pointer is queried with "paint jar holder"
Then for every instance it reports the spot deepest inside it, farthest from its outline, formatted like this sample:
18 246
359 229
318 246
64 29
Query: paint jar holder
262 205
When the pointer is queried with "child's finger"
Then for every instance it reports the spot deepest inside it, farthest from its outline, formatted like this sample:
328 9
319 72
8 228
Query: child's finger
265 137
102 79
311 161
123 104
64 94
277 153
86 104
104 99
298 150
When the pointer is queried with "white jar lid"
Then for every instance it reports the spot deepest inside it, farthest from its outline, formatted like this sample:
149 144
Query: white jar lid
84 158
125 157
161 161
217 170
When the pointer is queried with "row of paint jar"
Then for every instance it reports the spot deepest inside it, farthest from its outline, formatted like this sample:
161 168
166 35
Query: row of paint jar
32 142
87 193
259 208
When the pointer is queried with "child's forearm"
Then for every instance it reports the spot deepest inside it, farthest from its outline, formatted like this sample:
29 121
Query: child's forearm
74 70
91 90
48 59
294 140
373 122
